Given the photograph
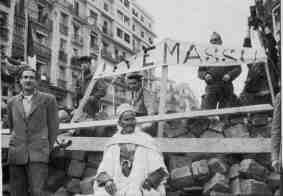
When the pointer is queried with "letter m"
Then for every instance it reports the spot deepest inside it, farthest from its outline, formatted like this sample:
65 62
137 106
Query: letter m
175 47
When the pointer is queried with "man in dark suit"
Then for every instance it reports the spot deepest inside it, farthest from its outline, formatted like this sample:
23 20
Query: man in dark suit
33 121
219 89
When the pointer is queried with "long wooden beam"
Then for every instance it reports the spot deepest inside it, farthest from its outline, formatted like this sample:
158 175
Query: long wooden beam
166 117
177 145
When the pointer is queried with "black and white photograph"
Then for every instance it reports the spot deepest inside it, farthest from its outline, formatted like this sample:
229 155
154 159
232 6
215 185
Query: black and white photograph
141 98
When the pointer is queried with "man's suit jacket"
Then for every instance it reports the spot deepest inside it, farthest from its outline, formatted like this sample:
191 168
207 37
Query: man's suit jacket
33 136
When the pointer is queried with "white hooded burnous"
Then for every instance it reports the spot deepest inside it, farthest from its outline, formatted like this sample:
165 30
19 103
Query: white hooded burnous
132 164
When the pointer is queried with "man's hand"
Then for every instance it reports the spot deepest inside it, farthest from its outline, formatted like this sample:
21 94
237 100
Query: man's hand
110 187
226 78
276 165
208 77
146 185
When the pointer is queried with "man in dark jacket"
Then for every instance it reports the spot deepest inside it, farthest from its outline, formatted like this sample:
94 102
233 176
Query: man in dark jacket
219 89
33 121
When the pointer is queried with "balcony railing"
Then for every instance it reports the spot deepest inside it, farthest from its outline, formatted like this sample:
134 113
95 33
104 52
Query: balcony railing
63 28
62 83
76 39
62 56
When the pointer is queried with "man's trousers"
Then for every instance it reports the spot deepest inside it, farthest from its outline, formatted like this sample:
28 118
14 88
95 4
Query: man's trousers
28 179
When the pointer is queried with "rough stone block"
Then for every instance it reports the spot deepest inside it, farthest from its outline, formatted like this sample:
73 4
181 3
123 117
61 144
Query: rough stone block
261 131
249 168
62 192
211 134
174 132
236 186
259 119
218 183
253 187
215 193
56 179
76 168
234 171
86 186
78 155
94 157
89 172
176 161
273 180
198 126
182 177
200 170
73 186
237 120
238 131
217 165
217 126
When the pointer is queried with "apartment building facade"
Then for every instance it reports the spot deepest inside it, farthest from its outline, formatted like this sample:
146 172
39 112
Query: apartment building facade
108 31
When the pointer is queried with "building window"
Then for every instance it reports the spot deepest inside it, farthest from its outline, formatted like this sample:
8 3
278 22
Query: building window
106 7
77 8
94 16
75 52
40 12
119 33
120 15
127 3
105 46
135 13
127 37
63 44
93 40
116 51
134 27
127 20
150 40
64 18
142 34
40 38
76 31
105 27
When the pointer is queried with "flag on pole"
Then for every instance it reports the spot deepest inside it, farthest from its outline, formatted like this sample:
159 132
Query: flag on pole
31 57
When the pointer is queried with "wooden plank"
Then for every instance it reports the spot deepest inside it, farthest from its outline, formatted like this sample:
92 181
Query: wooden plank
177 145
164 117
162 98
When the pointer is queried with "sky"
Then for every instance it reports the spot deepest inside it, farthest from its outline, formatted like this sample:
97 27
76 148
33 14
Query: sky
195 20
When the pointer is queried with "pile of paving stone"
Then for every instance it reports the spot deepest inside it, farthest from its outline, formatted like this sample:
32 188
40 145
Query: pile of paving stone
71 172
196 174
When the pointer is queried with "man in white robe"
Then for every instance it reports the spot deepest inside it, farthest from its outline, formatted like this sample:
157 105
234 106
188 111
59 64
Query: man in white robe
132 165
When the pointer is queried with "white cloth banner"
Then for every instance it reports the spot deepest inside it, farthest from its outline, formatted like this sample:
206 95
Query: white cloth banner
174 53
